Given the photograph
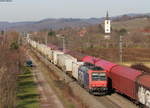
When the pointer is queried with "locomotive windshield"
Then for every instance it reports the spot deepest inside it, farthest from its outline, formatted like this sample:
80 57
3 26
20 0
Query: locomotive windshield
97 68
98 76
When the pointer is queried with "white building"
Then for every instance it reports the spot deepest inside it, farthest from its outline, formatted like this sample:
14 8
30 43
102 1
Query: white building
107 24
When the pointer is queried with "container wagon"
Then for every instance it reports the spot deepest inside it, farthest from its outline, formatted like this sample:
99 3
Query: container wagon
75 69
55 56
65 62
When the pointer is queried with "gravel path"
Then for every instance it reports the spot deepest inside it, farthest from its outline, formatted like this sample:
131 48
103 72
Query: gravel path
48 98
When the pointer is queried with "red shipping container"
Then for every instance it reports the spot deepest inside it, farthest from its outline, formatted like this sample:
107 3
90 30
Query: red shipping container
124 80
106 65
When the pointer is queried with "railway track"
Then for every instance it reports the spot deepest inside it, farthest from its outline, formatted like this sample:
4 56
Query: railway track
107 102
116 101
111 101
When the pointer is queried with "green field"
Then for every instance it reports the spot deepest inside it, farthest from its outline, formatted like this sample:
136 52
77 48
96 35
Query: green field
27 94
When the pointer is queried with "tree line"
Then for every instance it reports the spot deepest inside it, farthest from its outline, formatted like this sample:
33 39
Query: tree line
11 59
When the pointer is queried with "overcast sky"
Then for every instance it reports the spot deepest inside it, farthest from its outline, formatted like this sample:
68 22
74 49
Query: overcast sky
33 10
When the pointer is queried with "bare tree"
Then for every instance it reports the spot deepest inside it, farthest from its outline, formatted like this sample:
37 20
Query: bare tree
11 59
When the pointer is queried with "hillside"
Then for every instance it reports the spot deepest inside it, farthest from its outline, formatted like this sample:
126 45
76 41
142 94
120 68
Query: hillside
133 24
69 22
49 24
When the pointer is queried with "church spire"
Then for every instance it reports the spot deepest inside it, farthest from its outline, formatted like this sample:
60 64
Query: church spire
107 16
107 24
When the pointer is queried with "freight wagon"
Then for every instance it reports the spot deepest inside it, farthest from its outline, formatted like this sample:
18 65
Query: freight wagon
55 56
50 55
47 51
75 69
133 83
65 62
143 89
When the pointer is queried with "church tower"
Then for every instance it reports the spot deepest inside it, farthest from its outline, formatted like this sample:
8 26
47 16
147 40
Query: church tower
107 24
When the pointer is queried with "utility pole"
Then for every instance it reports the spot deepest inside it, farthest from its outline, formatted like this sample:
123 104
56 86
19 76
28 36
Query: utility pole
87 41
19 39
64 41
3 36
46 41
121 49
64 45
121 33
29 36
107 42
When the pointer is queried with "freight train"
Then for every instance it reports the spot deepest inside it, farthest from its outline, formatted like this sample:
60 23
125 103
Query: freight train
89 76
100 76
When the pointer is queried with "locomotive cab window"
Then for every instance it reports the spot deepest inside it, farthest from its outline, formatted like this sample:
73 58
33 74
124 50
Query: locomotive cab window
98 76
89 65
97 68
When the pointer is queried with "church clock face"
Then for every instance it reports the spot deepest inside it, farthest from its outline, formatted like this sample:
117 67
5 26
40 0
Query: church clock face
107 22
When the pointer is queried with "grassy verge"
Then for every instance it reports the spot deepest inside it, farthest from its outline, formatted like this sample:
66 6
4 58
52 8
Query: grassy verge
27 94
